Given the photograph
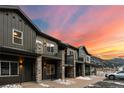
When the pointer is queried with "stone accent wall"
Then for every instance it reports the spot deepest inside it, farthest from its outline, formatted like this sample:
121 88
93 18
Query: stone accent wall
74 66
39 69
83 71
63 65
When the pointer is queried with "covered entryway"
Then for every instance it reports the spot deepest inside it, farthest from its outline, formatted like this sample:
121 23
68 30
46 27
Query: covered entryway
79 69
69 71
50 68
87 69
17 70
29 70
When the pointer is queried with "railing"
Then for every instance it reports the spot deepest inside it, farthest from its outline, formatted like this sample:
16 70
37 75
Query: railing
43 50
69 60
80 60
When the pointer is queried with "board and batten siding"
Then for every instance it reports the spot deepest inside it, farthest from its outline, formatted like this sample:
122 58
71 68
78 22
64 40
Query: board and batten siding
10 20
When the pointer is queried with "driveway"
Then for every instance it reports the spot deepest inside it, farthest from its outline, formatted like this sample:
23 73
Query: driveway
107 84
79 82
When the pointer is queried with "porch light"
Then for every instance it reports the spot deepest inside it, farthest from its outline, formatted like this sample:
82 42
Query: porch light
21 62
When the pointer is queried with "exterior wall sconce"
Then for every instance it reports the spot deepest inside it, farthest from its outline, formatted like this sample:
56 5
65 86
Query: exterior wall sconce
21 60
21 63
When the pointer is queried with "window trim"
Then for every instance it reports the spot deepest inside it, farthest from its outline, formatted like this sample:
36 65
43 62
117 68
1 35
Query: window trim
9 68
17 37
48 45
88 59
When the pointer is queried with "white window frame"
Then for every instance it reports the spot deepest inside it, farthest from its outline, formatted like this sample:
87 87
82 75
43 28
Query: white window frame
13 30
50 45
9 68
88 59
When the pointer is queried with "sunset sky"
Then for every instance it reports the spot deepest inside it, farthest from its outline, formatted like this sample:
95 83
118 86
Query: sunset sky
99 28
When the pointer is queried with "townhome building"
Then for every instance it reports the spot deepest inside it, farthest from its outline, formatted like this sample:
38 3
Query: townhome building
28 54
70 61
88 66
17 46
49 63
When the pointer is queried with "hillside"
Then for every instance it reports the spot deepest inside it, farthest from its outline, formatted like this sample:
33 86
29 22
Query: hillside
114 62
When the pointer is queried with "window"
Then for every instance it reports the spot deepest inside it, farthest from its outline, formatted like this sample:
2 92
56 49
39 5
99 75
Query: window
8 68
71 52
14 68
88 59
17 37
4 68
50 47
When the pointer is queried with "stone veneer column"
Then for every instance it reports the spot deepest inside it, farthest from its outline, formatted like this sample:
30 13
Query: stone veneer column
63 65
74 66
90 69
39 69
83 69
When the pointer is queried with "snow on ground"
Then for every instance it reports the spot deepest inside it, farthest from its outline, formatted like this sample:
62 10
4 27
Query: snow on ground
118 83
11 86
44 85
90 85
65 82
84 78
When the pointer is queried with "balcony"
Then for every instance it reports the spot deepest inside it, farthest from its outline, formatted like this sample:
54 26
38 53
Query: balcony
43 51
69 60
55 53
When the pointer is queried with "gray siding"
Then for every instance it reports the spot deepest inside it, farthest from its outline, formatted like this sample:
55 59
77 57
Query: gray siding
8 22
45 40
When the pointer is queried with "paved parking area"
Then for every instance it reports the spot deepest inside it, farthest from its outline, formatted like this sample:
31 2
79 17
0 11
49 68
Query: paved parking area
70 83
108 84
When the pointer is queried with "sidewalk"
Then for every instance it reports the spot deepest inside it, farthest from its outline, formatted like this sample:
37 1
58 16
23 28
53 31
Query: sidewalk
79 82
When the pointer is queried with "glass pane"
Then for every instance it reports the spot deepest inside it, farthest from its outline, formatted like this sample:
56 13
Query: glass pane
4 68
17 34
48 49
14 68
17 40
52 49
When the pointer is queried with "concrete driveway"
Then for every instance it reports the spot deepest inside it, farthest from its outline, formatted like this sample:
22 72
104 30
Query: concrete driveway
79 82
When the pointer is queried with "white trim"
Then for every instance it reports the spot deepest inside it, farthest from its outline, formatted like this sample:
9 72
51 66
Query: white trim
9 75
17 37
9 69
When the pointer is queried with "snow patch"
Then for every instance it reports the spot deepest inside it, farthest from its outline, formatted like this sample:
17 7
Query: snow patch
44 85
90 85
12 86
65 82
84 78
118 83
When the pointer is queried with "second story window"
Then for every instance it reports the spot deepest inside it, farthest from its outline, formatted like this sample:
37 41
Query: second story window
88 59
17 37
71 52
50 47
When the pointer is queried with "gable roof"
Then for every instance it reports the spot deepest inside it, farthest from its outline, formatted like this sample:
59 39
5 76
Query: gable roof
38 31
85 50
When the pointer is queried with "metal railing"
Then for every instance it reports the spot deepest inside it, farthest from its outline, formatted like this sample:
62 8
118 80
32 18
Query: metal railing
44 51
69 60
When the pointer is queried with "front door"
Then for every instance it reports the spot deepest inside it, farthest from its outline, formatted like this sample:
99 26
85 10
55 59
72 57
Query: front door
49 71
29 70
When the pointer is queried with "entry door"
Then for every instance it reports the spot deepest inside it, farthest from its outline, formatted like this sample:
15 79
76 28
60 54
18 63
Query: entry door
49 72
27 71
